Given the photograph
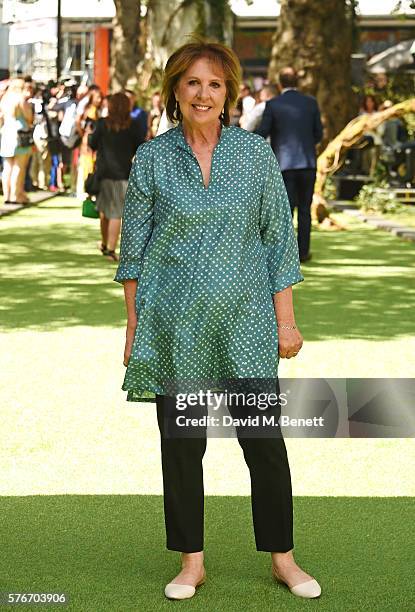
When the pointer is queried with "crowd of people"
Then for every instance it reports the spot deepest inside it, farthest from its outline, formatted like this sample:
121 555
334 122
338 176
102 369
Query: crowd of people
54 136
47 142
56 120
51 136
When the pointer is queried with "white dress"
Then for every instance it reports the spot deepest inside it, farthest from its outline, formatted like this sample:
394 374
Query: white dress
9 145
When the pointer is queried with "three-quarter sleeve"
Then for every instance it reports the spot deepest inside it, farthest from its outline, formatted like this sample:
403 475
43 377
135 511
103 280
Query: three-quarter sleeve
137 219
276 229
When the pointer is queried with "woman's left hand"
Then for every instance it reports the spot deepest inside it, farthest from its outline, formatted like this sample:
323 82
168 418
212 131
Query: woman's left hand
290 342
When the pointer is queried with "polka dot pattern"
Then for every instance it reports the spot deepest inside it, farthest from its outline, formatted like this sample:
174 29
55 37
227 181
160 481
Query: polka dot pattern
207 260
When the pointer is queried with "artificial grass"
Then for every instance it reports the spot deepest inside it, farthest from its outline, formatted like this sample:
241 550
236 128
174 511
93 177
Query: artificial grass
359 283
108 553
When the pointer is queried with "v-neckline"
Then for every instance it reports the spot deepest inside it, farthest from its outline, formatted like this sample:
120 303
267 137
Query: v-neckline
188 148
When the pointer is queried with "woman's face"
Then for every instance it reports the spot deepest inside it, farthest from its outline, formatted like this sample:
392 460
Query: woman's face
97 98
369 104
201 93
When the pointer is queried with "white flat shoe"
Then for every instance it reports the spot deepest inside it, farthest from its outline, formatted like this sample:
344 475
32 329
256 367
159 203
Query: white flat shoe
181 591
308 589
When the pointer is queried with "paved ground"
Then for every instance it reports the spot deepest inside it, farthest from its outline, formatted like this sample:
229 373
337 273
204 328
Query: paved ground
67 427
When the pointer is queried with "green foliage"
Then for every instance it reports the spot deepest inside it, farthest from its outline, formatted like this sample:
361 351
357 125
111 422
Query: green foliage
329 190
399 87
408 5
378 198
352 7
380 175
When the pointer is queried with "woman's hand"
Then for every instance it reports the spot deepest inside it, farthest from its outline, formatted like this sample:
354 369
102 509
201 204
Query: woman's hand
129 339
290 342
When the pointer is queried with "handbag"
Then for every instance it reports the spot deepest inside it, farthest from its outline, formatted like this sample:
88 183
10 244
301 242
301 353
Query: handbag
89 209
93 183
25 138
93 180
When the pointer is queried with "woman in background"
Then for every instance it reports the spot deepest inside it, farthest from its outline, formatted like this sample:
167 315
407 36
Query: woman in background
116 138
86 124
16 114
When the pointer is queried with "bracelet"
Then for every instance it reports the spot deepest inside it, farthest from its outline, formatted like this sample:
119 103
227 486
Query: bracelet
283 326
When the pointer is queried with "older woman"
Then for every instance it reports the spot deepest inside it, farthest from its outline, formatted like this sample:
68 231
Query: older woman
208 257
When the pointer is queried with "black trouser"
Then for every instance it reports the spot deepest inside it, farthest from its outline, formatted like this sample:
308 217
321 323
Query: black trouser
271 494
300 188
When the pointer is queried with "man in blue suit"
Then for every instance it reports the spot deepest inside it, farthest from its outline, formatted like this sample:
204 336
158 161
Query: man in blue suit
293 122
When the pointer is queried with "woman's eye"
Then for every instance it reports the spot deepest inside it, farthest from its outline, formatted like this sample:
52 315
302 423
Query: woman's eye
192 82
216 85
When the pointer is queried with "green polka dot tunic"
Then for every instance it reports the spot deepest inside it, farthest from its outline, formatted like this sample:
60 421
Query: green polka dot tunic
207 261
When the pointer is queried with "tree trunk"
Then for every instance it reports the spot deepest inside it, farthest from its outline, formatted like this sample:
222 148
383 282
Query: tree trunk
141 46
315 37
125 51
167 25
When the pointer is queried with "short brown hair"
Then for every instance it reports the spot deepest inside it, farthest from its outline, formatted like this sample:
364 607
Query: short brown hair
288 77
119 109
183 58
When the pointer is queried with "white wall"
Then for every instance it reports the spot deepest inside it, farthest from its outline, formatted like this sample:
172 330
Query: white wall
81 9
271 8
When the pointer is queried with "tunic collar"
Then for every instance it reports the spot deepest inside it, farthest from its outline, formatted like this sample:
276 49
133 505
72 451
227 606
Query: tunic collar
183 144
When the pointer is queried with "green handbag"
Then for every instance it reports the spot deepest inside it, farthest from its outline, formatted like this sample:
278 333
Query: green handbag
89 209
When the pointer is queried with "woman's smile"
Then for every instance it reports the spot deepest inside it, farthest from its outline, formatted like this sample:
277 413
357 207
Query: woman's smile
201 107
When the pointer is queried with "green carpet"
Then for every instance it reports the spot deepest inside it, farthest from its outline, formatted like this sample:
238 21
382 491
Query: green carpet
108 553
67 428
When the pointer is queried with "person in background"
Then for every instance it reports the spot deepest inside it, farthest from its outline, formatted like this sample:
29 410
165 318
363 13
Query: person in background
86 125
372 138
29 92
137 113
83 96
164 124
294 124
247 101
252 120
41 159
393 131
104 107
16 113
64 109
115 139
61 95
154 116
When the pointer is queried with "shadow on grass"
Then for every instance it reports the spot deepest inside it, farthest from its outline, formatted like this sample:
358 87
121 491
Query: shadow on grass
54 277
108 553
359 284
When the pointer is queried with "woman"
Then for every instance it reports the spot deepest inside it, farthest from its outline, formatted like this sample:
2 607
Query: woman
17 115
208 257
154 116
86 124
371 142
116 138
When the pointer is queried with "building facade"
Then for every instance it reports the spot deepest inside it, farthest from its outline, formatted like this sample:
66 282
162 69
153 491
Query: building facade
86 26
84 42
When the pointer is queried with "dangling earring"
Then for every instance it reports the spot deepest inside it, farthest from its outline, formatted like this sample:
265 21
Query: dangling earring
177 110
222 115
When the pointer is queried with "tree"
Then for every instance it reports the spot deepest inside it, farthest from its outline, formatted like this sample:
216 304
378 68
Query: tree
147 32
332 158
125 50
316 38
